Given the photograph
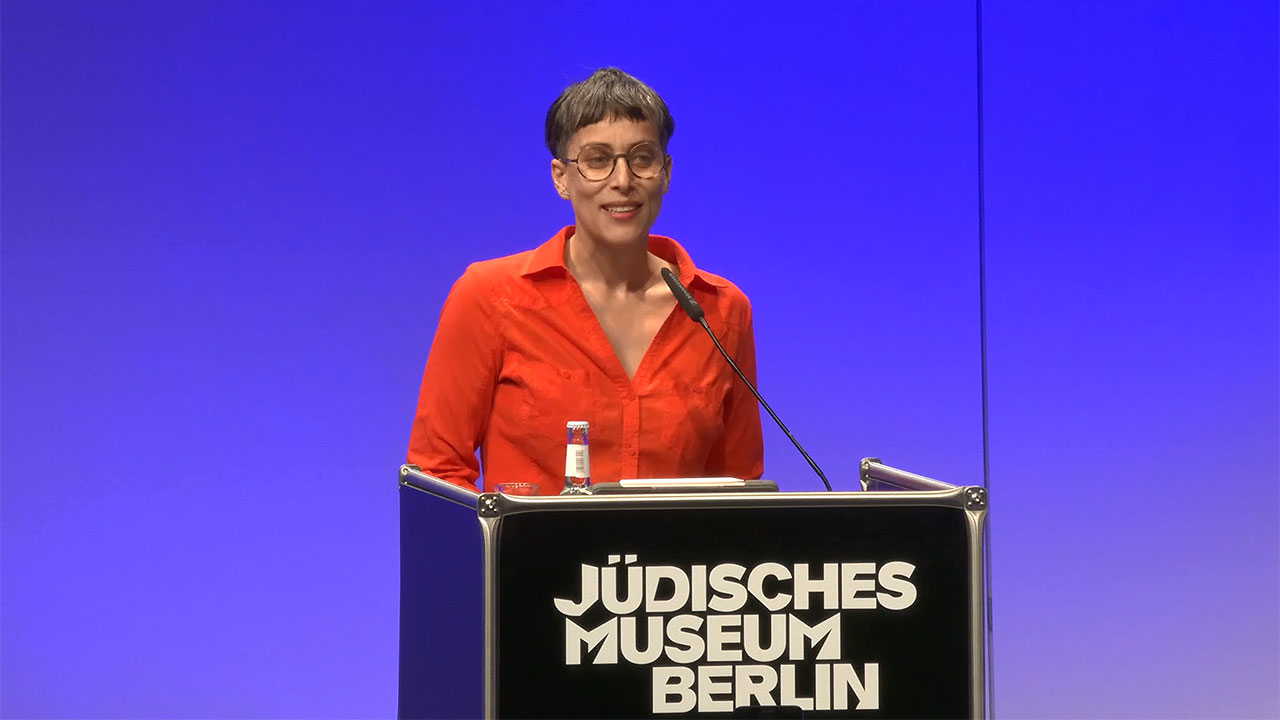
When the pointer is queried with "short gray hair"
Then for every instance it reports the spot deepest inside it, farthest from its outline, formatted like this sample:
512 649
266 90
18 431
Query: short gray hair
609 93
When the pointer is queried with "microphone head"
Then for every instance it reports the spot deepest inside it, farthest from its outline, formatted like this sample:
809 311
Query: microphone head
683 296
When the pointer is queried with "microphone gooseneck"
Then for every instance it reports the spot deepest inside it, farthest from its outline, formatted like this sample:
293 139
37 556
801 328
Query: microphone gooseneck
696 314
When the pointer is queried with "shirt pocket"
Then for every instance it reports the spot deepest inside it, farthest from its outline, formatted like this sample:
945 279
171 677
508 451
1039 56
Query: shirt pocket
549 397
693 421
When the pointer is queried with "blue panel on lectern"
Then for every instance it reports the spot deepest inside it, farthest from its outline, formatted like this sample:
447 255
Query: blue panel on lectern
441 611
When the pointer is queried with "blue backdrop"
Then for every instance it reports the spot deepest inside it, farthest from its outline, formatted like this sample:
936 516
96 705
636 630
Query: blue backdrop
228 229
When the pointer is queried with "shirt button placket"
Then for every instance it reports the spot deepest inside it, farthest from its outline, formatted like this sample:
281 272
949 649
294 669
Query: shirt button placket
631 436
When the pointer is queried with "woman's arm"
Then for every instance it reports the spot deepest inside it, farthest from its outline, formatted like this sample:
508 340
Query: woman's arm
458 383
740 450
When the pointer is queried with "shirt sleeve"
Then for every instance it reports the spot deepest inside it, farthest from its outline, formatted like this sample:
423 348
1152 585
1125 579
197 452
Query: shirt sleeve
740 450
458 382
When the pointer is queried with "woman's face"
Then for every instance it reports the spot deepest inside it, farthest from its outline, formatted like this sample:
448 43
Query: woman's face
622 207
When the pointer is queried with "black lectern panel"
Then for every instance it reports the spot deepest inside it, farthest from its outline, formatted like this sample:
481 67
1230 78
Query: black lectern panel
844 611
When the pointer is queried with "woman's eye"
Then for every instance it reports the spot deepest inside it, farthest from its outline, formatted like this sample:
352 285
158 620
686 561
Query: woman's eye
643 160
597 160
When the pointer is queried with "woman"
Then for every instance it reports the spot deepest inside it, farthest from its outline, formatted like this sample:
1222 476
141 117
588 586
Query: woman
584 328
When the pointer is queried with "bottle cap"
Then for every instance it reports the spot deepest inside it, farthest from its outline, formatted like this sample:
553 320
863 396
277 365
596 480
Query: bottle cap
576 425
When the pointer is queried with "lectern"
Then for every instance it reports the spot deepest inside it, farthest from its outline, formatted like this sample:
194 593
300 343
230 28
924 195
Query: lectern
695 604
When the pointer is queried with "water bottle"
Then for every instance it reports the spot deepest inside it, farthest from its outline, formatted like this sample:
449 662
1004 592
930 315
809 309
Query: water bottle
577 459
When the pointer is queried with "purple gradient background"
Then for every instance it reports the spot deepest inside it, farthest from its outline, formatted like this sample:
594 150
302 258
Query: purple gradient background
228 228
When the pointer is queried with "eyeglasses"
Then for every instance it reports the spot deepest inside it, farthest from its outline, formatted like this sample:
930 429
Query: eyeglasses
596 163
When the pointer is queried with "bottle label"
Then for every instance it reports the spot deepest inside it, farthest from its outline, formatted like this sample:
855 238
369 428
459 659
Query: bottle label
577 462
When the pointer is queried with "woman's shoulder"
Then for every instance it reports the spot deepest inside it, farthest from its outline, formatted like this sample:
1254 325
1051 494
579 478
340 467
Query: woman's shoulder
499 267
724 290
722 286
501 283
509 268
677 258
722 298
493 273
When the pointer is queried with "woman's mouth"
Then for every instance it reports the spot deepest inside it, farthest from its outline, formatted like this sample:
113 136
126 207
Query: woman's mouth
622 211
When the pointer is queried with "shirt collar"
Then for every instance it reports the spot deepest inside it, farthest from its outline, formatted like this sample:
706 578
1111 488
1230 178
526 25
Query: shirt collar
550 255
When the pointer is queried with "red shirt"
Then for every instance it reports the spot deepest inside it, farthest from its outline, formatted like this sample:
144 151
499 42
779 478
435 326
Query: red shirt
518 352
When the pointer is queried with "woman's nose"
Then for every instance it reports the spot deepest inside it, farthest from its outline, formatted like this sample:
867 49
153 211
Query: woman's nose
622 177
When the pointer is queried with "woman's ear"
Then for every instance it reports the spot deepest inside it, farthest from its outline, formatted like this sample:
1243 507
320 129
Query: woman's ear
557 178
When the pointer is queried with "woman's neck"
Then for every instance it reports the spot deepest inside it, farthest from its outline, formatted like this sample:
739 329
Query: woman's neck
620 267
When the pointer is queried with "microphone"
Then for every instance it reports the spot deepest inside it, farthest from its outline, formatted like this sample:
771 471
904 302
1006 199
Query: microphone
685 298
696 314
